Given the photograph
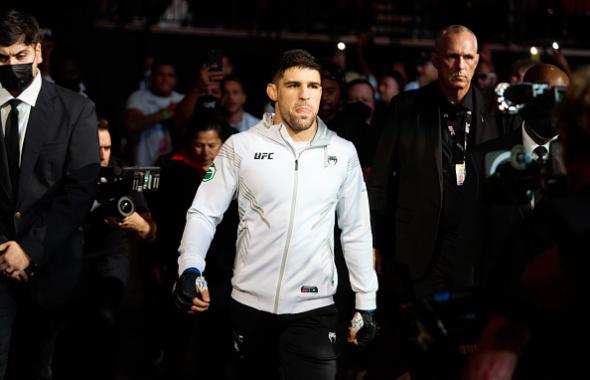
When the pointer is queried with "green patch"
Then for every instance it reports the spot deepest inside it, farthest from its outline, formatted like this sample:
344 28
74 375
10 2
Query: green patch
210 173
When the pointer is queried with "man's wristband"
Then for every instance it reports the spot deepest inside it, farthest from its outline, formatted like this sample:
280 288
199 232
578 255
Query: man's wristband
192 270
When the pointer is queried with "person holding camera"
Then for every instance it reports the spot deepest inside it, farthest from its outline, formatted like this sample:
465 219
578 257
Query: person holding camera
48 170
538 316
93 328
504 205
291 176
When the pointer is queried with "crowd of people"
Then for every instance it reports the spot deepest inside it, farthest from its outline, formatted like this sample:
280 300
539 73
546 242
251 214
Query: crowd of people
360 226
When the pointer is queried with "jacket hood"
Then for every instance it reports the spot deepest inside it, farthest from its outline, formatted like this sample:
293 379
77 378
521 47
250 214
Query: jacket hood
273 131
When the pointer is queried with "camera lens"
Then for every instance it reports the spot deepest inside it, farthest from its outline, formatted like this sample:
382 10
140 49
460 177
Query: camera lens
125 206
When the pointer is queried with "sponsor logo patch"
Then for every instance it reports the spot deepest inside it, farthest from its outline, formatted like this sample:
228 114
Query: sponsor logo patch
333 160
262 156
210 173
309 289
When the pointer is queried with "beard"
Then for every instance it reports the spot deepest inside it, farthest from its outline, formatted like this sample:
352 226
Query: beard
298 122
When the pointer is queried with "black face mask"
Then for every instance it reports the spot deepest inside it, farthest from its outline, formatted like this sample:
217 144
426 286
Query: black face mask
358 110
15 78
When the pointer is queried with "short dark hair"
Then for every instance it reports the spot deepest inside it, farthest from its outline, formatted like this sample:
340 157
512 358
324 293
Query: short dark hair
396 77
18 27
207 120
295 58
162 61
103 124
232 78
333 71
364 81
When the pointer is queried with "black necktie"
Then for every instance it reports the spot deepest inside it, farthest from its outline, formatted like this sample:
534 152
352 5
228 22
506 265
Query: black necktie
541 152
11 139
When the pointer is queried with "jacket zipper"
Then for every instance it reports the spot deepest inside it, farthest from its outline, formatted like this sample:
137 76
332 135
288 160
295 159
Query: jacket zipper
289 232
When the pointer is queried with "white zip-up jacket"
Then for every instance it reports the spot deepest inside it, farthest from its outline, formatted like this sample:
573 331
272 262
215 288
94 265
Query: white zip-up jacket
287 206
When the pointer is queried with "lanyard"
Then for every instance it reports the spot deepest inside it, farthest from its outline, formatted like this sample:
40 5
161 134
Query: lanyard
460 169
452 129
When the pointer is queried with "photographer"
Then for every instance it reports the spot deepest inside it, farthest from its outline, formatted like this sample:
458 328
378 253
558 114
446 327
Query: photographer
507 201
538 318
105 273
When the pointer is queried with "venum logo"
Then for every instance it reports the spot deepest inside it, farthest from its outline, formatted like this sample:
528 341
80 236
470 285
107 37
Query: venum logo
332 160
332 337
262 156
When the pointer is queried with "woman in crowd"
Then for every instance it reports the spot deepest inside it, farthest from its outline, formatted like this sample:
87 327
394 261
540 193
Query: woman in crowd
181 174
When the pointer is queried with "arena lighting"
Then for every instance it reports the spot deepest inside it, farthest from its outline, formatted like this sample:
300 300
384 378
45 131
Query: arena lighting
555 45
341 45
534 50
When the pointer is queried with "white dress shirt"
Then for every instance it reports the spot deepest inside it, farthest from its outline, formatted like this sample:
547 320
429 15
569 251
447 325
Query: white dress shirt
28 99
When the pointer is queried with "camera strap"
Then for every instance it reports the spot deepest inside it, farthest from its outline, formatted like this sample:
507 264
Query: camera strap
460 169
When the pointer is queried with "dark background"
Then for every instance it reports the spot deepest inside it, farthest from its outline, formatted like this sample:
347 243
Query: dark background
111 37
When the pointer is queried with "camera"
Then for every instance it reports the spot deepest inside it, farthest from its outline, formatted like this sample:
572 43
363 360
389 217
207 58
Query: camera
214 60
521 97
515 176
116 187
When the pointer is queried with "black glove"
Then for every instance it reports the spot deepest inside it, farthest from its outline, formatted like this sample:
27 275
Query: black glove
366 327
184 289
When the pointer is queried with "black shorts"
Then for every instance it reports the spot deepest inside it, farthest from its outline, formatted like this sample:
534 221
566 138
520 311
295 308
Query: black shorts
298 346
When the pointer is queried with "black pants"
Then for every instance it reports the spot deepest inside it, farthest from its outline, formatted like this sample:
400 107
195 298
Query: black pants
88 346
298 346
27 332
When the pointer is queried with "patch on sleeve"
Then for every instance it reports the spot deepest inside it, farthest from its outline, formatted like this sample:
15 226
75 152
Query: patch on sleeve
210 173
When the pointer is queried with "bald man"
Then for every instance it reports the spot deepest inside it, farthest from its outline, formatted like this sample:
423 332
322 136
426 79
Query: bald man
423 184
538 127
426 143
535 135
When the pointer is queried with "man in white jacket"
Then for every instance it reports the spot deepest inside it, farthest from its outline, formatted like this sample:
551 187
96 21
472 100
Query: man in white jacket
291 177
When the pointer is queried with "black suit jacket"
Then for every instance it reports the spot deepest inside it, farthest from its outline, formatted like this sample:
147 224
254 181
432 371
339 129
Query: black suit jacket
406 181
501 213
58 173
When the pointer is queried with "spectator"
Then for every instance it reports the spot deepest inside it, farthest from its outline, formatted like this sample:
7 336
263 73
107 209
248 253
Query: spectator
149 115
233 98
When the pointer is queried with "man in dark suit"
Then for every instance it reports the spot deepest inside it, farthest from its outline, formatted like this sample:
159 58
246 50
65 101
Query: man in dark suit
48 169
423 171
539 314
505 207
